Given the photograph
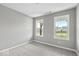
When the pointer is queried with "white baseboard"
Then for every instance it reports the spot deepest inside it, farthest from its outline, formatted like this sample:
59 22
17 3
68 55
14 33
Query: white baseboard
57 46
7 49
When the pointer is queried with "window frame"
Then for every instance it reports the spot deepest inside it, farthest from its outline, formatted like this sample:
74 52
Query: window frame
39 20
68 19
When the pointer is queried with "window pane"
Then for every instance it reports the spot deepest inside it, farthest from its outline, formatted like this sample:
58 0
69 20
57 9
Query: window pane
39 27
61 27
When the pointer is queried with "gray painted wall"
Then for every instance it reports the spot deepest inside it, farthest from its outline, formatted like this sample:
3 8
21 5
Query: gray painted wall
49 29
15 28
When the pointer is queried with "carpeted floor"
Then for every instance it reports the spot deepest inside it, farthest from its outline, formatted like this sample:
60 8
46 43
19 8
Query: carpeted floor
36 49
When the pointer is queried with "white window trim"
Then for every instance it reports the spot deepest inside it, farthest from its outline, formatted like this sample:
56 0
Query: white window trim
55 37
36 29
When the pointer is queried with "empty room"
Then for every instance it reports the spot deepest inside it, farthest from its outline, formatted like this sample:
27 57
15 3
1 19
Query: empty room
39 29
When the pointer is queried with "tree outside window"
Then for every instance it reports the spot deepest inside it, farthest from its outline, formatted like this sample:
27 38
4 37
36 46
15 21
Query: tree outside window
61 27
39 27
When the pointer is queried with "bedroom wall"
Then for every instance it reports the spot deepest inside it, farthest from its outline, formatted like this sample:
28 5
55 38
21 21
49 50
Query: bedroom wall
49 29
15 28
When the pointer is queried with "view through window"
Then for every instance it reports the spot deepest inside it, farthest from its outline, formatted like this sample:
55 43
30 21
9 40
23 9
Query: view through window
39 27
61 27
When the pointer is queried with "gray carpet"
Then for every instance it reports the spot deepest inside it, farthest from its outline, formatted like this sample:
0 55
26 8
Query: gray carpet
36 49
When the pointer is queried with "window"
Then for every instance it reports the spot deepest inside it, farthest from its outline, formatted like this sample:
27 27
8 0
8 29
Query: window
61 27
39 27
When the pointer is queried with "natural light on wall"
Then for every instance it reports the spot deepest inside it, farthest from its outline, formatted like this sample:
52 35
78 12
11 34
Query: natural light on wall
39 28
61 27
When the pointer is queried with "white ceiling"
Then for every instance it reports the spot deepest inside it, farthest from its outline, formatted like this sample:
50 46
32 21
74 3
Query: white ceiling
38 9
